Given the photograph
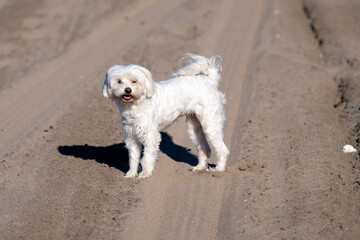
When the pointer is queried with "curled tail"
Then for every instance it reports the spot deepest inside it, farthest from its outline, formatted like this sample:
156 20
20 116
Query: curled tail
199 65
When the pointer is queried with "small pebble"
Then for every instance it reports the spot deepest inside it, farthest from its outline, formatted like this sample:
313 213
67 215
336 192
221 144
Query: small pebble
348 149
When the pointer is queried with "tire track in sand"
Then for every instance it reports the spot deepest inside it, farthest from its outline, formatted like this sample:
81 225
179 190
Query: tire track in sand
178 204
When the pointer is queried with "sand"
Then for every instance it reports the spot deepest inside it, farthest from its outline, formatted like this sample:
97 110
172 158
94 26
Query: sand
290 73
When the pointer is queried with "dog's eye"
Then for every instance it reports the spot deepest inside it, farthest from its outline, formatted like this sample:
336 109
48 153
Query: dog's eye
119 81
134 81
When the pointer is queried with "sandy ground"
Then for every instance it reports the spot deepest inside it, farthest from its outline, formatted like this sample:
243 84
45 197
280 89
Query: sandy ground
290 74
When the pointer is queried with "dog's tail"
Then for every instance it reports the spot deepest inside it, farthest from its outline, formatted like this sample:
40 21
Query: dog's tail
199 65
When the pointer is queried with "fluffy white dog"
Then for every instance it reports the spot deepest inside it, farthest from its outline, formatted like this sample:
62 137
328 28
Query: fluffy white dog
147 107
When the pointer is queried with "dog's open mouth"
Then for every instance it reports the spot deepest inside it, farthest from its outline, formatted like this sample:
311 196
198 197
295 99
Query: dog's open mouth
127 97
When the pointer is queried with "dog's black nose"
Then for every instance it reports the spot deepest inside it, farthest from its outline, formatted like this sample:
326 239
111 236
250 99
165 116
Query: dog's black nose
127 90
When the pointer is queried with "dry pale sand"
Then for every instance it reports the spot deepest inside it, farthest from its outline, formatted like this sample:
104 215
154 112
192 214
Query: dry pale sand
289 74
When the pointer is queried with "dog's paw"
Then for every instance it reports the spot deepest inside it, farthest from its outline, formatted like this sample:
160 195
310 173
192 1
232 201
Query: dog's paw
216 169
130 174
198 168
144 174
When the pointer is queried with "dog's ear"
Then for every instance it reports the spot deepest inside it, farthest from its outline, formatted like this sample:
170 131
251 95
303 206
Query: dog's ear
148 83
106 88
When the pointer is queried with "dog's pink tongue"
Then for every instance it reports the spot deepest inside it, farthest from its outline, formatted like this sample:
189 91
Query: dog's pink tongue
127 97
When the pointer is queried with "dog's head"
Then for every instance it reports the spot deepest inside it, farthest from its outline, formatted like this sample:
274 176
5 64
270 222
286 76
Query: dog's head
128 84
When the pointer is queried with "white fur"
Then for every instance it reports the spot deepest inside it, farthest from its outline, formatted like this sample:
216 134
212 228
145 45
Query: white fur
152 106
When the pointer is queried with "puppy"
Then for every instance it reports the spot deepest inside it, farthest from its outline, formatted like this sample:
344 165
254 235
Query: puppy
147 107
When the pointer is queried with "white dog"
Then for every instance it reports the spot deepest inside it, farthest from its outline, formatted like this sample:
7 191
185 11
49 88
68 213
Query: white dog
147 107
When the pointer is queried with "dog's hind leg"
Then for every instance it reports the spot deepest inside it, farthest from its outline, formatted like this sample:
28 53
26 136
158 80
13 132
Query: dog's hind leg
222 152
213 129
197 135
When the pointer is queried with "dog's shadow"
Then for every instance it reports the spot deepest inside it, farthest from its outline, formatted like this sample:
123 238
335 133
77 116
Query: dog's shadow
117 156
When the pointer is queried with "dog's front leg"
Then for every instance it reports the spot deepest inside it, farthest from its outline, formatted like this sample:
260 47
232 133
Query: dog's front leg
151 149
134 149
